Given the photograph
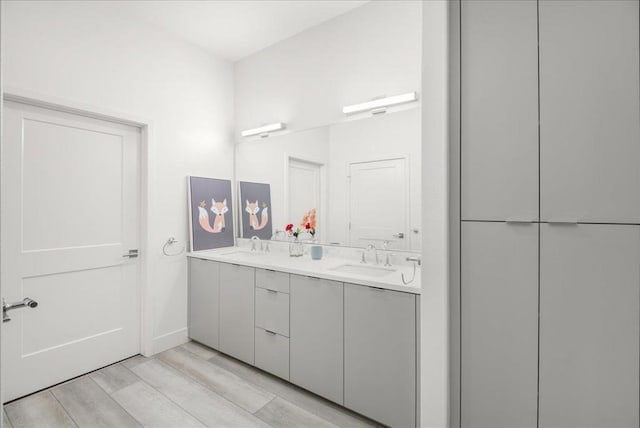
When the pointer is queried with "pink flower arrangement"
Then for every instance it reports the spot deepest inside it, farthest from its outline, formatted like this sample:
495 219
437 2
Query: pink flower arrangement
308 223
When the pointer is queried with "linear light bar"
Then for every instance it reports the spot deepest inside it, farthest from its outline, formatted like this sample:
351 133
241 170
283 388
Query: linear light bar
264 130
381 103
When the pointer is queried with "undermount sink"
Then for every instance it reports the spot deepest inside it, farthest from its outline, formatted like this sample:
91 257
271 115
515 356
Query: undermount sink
244 253
364 270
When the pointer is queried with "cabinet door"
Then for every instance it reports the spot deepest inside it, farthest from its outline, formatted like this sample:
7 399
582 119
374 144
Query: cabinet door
317 336
236 311
380 354
204 288
499 110
499 347
589 325
589 109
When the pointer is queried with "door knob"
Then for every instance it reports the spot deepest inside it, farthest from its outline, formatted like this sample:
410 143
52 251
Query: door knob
25 303
399 235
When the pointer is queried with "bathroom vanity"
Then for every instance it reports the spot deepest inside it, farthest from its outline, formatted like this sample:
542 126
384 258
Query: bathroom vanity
341 329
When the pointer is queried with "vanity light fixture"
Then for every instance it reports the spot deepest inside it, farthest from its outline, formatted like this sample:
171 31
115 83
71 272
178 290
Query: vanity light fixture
264 130
380 105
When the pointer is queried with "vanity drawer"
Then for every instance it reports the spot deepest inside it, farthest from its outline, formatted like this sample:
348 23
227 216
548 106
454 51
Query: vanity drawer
272 311
272 353
272 280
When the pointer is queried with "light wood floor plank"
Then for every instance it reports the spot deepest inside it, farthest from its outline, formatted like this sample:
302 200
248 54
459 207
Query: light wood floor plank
134 361
282 414
114 378
152 409
40 410
199 350
90 406
232 387
207 406
325 409
5 420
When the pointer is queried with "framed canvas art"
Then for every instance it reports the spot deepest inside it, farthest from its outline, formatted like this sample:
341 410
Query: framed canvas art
210 213
255 199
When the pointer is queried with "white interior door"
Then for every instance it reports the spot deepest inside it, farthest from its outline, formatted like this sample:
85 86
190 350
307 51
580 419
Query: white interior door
303 190
70 192
378 203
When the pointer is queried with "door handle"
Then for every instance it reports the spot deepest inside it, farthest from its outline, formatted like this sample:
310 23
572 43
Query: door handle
25 303
132 254
399 235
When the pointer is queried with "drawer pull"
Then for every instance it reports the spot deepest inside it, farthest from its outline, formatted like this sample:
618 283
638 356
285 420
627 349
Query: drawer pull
519 220
378 288
270 270
564 221
273 333
271 290
313 277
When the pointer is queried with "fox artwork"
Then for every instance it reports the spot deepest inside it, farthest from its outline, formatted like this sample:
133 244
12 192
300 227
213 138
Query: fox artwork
253 209
219 209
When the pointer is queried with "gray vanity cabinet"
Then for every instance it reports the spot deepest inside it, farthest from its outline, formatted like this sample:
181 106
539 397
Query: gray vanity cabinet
204 288
237 327
317 336
499 300
380 354
589 325
499 127
589 109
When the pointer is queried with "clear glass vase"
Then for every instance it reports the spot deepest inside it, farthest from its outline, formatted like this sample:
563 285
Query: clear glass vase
295 248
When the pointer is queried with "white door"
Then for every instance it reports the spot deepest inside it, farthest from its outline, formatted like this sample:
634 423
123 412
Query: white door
70 194
378 203
304 191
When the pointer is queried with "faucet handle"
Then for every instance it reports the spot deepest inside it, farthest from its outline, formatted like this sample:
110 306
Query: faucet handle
387 260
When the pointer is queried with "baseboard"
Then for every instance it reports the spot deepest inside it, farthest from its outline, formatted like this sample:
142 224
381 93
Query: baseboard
169 340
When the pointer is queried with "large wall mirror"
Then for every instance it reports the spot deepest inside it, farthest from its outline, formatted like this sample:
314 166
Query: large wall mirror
362 176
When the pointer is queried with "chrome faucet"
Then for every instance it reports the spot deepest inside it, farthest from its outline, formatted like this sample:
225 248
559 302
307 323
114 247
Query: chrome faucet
254 240
385 247
375 251
415 259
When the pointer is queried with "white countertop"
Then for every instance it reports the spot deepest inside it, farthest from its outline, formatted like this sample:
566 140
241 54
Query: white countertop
280 261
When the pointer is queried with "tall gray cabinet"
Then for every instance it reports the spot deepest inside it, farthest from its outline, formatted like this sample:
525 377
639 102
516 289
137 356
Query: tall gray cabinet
204 281
548 305
589 325
317 336
379 354
589 114
237 325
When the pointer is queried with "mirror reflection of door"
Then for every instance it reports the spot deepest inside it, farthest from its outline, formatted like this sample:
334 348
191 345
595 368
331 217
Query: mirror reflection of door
378 203
304 190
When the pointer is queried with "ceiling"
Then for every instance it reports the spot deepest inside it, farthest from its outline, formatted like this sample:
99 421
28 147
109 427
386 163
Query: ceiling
235 29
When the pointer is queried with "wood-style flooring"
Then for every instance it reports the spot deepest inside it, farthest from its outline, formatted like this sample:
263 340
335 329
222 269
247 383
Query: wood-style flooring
187 386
